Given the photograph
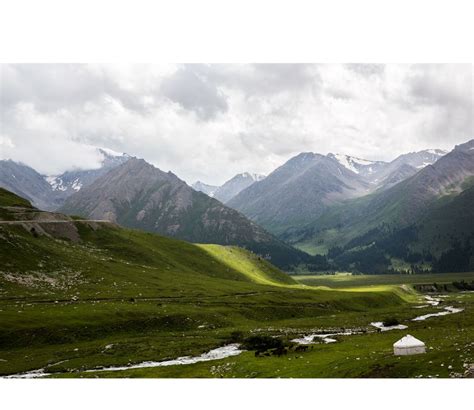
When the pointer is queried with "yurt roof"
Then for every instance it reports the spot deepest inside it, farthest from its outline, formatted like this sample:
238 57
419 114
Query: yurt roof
408 341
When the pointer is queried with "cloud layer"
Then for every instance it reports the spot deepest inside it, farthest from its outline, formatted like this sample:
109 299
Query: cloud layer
210 122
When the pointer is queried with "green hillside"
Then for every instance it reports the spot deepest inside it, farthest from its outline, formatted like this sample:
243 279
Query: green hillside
70 288
8 198
386 232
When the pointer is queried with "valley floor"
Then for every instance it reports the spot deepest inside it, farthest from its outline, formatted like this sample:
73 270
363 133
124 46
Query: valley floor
65 338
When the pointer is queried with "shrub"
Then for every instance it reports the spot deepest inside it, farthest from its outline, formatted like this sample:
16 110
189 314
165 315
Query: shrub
262 343
391 321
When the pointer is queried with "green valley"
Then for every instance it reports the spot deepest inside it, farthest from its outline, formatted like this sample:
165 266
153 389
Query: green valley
77 295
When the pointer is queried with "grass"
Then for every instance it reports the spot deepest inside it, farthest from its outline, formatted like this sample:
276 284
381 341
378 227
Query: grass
8 198
449 341
254 267
312 249
119 296
151 297
352 281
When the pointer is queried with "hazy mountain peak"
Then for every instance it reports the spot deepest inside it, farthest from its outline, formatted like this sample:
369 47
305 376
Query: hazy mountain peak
467 146
420 159
305 156
73 181
206 188
254 176
235 185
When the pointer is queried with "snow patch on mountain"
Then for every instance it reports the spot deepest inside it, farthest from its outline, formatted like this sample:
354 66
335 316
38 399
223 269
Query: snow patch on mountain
424 164
354 164
76 185
56 183
255 177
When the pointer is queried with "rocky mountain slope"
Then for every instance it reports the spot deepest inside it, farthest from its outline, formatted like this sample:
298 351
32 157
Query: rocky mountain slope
392 219
69 182
298 191
308 184
138 195
49 192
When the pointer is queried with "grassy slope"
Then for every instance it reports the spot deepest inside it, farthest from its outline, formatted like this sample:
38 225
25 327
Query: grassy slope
151 297
122 296
8 198
254 267
351 281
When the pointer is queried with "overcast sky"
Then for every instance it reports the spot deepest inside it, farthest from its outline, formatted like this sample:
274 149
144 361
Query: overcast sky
209 122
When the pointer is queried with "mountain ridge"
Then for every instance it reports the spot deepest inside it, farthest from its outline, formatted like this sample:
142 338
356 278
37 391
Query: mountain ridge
138 195
309 183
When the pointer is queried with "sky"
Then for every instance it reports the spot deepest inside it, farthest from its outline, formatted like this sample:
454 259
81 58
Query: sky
210 122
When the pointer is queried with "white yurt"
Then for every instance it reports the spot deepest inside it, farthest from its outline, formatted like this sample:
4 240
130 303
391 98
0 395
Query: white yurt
408 345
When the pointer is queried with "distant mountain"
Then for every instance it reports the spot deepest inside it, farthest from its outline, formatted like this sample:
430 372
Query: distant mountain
298 192
138 195
49 192
394 175
404 166
27 183
305 186
69 182
379 172
360 166
420 159
393 221
207 189
236 184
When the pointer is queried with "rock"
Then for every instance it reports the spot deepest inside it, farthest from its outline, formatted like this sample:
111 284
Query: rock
469 373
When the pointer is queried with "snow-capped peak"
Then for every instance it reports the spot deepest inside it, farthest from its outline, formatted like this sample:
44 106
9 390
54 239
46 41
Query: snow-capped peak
253 176
436 151
352 163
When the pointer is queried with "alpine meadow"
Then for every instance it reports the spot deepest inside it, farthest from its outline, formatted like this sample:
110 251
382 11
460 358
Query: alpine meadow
236 221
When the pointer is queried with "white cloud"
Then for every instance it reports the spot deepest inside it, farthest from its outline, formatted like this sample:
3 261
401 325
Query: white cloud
210 122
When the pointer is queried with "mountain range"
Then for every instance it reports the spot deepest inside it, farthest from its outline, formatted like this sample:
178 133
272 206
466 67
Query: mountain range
230 188
320 212
305 186
417 220
138 195
48 192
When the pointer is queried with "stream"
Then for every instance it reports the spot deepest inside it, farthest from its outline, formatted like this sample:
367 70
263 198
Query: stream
214 354
430 300
233 349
